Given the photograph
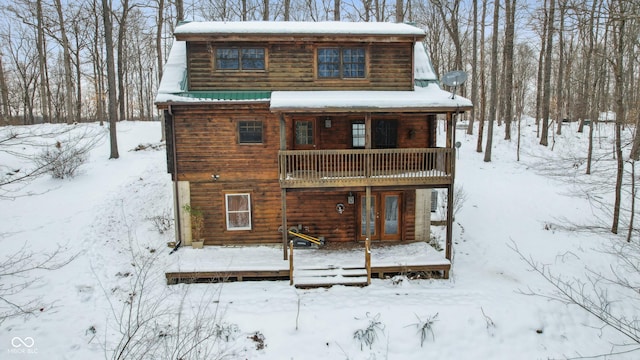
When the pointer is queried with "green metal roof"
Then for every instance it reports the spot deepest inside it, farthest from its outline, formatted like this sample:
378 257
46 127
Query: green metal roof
227 95
424 83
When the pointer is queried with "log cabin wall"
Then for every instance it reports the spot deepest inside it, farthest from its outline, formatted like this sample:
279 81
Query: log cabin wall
206 145
316 212
414 131
291 66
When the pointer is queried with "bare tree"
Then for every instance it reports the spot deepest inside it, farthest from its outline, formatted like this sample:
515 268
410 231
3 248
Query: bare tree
483 90
68 77
17 275
474 69
510 14
449 11
5 114
42 56
111 78
618 30
494 81
546 93
592 293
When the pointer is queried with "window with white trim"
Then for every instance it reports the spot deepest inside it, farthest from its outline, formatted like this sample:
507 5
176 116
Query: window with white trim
238 210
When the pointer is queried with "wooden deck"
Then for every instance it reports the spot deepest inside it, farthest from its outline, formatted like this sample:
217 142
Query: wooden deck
334 264
381 272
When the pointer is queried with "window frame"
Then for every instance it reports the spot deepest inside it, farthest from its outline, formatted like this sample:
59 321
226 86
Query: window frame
341 62
240 50
227 212
314 134
364 134
239 132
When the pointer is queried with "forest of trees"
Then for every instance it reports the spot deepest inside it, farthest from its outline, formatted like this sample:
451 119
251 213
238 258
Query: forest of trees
552 59
555 60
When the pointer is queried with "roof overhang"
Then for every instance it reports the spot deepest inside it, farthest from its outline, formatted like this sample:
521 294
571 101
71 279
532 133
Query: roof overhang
423 100
256 30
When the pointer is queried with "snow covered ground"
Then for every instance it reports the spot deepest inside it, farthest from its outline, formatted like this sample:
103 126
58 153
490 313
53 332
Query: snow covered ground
101 219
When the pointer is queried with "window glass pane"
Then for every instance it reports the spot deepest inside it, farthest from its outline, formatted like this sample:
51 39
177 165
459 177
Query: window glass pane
250 132
227 59
353 62
391 214
372 216
252 59
386 134
328 63
357 135
304 132
238 211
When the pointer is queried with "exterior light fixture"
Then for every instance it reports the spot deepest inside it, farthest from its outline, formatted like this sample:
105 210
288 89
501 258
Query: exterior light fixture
351 199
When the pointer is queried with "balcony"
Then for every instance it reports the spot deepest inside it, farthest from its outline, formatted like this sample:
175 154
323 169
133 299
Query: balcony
365 167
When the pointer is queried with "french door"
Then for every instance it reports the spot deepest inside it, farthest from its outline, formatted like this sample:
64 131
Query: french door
385 216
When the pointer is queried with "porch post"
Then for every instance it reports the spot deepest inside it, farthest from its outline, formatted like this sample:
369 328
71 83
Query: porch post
367 193
450 189
283 191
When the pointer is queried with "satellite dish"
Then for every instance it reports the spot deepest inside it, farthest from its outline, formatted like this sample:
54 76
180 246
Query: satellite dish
454 79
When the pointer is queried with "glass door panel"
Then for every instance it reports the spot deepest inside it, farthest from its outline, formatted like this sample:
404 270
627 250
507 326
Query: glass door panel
391 214
372 217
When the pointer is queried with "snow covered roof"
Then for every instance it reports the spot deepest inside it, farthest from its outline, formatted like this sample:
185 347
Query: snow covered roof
423 70
298 28
430 98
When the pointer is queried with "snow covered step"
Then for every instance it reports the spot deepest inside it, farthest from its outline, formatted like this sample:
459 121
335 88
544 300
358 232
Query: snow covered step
324 277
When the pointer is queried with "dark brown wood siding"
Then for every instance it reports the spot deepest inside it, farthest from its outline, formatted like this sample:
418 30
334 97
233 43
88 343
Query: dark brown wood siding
290 66
414 131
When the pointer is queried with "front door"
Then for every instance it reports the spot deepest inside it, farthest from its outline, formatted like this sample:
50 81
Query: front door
385 216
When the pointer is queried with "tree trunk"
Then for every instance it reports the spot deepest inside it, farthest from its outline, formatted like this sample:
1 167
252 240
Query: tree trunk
510 10
179 10
42 61
68 81
546 97
287 9
336 10
494 80
474 70
160 58
111 78
265 13
78 66
560 110
5 115
539 80
483 90
122 55
399 11
618 72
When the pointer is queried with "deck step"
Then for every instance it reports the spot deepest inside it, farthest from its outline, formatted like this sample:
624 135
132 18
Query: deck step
329 276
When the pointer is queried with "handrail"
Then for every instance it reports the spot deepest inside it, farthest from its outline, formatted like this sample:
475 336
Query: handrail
290 262
367 259
368 167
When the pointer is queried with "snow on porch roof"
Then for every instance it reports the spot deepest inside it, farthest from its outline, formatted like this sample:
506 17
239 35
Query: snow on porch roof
298 28
429 98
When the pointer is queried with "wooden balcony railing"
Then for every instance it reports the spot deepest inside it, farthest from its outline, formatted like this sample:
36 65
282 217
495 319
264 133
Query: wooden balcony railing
371 167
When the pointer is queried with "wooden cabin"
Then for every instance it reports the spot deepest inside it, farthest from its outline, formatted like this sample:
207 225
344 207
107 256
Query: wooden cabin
328 128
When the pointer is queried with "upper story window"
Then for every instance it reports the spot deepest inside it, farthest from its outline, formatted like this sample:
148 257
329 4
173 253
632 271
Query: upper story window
250 132
346 63
240 58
